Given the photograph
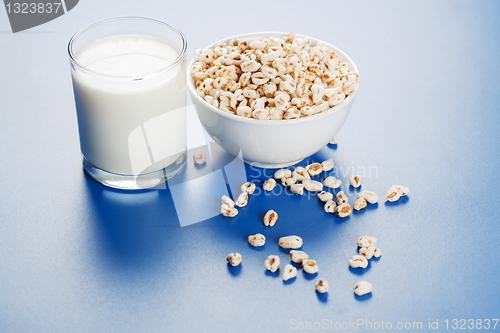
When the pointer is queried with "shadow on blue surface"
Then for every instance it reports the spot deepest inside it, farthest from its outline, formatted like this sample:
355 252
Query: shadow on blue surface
308 276
322 297
363 298
332 146
403 200
257 248
234 270
359 270
271 274
287 251
133 232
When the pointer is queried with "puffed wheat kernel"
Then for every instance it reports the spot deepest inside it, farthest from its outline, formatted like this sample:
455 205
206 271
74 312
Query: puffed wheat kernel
376 251
322 286
234 259
269 184
327 165
289 272
312 185
366 241
358 261
227 201
342 198
325 196
270 218
290 242
281 173
343 210
288 181
392 194
272 263
362 288
359 204
314 169
330 206
332 182
248 187
298 256
297 189
300 173
403 190
310 266
227 211
242 200
335 140
366 252
257 240
199 158
369 196
355 181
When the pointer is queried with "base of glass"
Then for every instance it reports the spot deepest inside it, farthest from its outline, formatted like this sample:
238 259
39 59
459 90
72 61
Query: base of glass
134 182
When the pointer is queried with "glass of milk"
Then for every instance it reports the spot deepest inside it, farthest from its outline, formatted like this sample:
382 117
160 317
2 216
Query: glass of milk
129 82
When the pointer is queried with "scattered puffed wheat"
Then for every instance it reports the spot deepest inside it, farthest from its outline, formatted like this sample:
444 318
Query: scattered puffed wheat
257 240
282 173
342 198
300 173
359 204
376 251
242 200
355 181
227 201
362 288
312 185
199 158
234 259
322 286
248 187
314 169
298 256
327 165
330 206
290 242
369 196
297 189
343 210
366 241
289 272
269 184
393 194
332 182
403 190
272 263
358 261
288 181
310 266
365 252
227 211
270 218
325 196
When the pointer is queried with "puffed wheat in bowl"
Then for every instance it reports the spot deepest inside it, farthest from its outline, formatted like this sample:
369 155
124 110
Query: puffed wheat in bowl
274 97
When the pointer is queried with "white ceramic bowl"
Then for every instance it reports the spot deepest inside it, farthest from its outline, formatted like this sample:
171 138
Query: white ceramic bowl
272 143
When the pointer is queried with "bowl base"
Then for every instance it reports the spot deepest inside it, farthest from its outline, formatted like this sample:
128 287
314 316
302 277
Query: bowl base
272 165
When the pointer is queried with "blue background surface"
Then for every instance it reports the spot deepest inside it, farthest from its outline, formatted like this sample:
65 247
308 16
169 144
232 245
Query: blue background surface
78 257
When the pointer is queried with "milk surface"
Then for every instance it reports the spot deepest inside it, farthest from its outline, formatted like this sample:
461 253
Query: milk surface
131 113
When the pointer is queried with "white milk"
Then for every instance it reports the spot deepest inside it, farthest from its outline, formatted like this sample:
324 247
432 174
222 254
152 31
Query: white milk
129 125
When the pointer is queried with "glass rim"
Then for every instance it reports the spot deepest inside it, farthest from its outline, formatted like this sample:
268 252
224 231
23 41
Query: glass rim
119 18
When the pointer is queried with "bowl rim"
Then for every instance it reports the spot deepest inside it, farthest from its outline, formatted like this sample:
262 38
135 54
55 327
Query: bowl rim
274 122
